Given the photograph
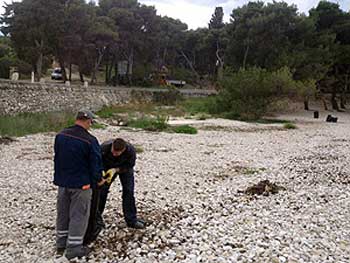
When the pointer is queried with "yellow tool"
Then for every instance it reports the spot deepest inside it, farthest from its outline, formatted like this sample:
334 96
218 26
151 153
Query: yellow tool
108 176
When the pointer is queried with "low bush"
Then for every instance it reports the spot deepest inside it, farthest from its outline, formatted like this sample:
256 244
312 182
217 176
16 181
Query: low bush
195 106
160 123
187 129
290 126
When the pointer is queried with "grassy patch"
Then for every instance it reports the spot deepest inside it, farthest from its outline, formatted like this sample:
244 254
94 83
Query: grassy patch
160 123
96 125
145 109
187 129
290 126
271 121
195 106
30 123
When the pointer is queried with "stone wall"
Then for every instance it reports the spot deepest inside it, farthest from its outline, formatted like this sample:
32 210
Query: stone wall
16 97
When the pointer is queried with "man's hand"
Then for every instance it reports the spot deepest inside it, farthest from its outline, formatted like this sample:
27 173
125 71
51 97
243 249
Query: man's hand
102 182
108 176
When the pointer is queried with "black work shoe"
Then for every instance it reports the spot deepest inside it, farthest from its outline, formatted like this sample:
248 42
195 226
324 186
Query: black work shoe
77 252
60 251
139 224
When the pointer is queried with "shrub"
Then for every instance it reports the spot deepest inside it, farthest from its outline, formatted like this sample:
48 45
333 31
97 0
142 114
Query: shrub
160 123
289 126
248 93
185 129
195 106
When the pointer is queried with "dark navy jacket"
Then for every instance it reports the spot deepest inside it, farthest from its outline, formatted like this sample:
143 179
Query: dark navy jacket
78 160
124 162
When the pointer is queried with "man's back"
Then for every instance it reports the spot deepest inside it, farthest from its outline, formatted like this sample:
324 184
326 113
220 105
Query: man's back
76 157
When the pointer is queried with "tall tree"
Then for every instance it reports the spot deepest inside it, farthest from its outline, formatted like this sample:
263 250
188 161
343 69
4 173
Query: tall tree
32 25
217 19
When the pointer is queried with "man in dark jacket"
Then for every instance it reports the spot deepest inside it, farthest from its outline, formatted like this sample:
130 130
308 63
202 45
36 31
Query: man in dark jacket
120 156
78 168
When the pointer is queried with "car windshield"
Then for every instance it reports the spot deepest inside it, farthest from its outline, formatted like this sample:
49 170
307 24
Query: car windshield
57 70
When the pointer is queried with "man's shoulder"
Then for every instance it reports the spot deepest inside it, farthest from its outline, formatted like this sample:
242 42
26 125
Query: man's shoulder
130 148
78 133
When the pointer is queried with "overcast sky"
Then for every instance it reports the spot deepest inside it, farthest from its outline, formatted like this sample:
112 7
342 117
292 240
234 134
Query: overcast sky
197 13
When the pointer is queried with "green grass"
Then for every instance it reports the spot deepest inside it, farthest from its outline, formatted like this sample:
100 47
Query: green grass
30 123
271 121
131 109
160 123
195 106
187 129
96 125
290 126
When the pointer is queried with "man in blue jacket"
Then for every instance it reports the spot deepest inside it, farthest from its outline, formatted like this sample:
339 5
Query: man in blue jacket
120 156
78 169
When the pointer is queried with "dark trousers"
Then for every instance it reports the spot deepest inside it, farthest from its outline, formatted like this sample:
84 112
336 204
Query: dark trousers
129 207
93 228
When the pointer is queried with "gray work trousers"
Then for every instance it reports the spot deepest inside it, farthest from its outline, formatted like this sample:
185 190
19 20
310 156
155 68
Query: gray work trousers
73 210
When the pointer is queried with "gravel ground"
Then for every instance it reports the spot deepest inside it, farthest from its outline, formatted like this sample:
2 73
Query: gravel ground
190 188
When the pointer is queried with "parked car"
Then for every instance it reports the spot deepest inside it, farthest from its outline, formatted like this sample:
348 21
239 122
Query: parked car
57 74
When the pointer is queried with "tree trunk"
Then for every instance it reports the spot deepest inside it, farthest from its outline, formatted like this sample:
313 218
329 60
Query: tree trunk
110 69
220 70
81 76
63 68
39 61
39 65
324 104
190 65
130 66
343 94
245 56
70 71
97 65
334 100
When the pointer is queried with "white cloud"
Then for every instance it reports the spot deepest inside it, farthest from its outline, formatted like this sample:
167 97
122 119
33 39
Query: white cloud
197 13
193 15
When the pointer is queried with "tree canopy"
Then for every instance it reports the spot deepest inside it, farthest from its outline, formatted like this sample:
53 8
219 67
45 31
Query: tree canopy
100 38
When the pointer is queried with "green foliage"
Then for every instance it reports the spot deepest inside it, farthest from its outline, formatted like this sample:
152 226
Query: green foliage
195 106
248 93
187 129
97 125
29 123
160 123
107 112
290 126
